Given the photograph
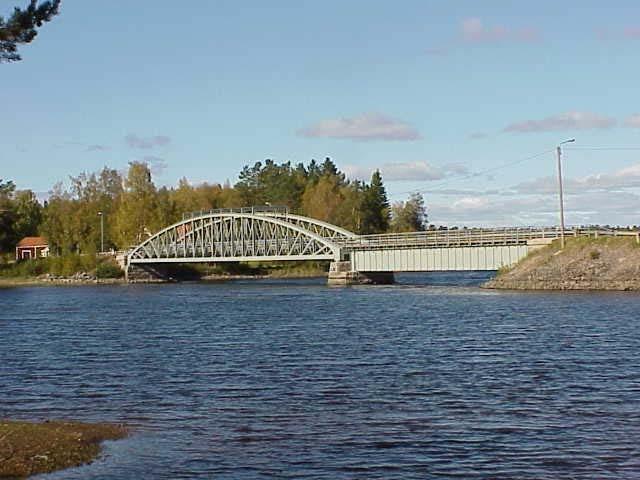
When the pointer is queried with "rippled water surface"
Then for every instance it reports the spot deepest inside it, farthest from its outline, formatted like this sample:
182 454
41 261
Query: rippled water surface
292 379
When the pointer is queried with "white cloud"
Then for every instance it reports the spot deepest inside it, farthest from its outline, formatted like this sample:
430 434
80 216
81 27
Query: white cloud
625 33
477 135
406 171
491 211
365 127
437 51
98 148
572 120
473 30
134 141
471 203
632 32
620 208
625 178
605 198
633 121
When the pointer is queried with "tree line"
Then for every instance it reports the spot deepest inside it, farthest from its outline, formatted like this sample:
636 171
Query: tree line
133 207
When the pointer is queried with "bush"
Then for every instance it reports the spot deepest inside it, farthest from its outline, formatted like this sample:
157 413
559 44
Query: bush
108 269
25 268
65 266
594 254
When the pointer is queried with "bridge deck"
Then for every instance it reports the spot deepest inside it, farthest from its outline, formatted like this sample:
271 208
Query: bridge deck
475 237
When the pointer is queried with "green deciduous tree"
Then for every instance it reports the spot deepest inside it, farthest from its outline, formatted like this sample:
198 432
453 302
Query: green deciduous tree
20 215
28 214
7 215
6 188
349 212
21 27
321 200
409 216
96 194
137 215
59 221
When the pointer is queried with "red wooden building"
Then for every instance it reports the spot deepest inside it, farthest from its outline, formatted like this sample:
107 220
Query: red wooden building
32 247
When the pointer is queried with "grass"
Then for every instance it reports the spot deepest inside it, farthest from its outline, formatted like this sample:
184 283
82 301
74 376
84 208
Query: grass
573 244
63 266
604 263
29 448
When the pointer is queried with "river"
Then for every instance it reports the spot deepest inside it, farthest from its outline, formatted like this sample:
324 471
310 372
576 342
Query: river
431 378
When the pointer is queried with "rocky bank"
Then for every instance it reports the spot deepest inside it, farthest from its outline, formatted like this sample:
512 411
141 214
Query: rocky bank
584 264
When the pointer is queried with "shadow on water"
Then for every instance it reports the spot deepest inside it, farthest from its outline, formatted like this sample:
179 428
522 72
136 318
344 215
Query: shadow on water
445 279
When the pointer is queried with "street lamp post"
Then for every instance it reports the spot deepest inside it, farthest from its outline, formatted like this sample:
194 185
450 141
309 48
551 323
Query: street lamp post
101 215
559 154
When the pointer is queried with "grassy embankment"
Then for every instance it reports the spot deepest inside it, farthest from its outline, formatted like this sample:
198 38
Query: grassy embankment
30 448
52 269
606 263
80 269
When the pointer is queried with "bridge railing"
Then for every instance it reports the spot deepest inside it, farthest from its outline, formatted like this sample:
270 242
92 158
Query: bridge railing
275 209
472 237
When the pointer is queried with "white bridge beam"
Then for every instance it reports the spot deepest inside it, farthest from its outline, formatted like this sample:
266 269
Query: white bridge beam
437 259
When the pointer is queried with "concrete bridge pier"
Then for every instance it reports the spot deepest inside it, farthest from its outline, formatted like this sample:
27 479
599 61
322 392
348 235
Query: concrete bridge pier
146 273
342 273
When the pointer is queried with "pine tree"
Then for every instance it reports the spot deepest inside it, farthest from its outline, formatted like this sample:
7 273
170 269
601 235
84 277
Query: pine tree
20 28
375 214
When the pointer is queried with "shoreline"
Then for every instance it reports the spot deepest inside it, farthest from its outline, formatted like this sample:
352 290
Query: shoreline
31 448
567 286
37 282
71 282
598 265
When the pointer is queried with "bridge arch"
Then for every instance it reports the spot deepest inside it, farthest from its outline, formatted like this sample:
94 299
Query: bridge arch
324 229
220 236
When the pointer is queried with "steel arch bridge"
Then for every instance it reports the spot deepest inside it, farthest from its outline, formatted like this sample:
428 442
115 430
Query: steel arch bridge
242 235
273 234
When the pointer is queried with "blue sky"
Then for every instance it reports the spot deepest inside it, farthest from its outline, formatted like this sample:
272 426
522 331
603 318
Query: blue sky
446 98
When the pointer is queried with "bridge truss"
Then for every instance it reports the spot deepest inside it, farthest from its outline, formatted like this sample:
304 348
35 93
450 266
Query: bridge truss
242 235
273 234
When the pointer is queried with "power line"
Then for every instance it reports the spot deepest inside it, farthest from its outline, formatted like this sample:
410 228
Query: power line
438 186
604 148
476 174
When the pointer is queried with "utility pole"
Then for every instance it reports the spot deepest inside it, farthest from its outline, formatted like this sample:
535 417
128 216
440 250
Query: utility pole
101 215
559 154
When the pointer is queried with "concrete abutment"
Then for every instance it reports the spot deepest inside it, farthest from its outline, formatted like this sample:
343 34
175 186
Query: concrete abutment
146 273
341 273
